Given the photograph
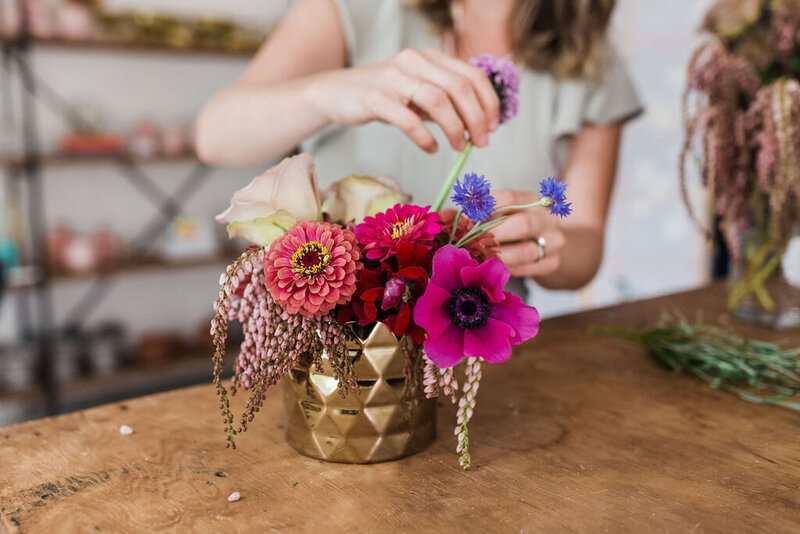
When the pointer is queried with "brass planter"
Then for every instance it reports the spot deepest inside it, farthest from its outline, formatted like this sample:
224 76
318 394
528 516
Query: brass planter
376 425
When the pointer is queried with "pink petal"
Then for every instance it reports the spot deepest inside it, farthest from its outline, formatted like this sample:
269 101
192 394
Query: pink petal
491 275
446 349
523 319
430 312
490 342
447 263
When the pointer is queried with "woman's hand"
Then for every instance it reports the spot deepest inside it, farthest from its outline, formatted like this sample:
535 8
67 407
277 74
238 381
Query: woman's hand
408 89
519 234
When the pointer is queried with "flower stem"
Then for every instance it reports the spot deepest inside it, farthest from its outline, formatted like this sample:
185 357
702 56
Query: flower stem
540 202
479 229
451 178
455 227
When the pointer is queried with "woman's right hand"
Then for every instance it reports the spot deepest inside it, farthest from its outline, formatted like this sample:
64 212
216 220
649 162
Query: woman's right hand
408 89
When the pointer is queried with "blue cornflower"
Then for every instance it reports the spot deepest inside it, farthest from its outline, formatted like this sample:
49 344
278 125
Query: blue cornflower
474 197
554 190
550 187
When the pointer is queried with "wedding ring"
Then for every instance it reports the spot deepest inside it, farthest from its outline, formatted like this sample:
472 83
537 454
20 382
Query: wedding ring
414 92
542 247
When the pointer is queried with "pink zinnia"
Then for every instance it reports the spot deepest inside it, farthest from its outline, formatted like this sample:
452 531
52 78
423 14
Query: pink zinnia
404 223
466 313
312 268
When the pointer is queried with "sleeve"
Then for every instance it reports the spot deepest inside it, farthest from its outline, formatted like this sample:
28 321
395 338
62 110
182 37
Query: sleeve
614 98
609 99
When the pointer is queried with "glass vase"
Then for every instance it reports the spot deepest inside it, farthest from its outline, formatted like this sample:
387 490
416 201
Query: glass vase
759 292
385 421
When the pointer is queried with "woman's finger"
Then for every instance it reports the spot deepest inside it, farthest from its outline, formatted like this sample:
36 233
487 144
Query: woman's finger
434 101
521 226
389 110
522 252
483 87
459 89
540 268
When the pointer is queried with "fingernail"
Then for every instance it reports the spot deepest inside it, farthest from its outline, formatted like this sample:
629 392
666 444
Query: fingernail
482 140
494 125
461 145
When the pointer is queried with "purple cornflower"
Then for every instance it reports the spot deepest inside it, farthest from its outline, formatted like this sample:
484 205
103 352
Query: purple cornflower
474 197
505 80
554 190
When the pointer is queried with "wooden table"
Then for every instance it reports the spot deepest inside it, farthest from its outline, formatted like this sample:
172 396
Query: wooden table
574 433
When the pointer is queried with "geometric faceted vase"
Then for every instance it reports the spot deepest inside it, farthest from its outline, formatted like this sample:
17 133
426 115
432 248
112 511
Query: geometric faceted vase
378 424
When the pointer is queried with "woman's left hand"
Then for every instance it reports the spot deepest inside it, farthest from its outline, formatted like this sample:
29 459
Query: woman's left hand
519 235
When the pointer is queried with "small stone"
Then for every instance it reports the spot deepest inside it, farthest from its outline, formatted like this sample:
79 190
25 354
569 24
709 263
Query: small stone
233 497
125 430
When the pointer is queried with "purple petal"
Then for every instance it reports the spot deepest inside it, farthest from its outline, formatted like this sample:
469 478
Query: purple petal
447 263
446 349
523 319
490 342
430 312
491 276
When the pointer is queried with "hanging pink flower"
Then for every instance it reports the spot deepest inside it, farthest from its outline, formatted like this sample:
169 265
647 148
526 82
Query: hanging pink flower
312 268
466 313
404 223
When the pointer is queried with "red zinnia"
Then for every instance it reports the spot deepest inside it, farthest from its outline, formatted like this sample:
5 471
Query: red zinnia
404 223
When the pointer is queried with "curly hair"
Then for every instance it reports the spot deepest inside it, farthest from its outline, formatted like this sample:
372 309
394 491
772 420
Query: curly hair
563 37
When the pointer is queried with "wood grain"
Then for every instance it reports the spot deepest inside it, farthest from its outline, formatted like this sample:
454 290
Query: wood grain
574 433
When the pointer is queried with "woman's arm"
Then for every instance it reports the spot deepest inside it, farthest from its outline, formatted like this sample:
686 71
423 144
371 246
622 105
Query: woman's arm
297 84
574 249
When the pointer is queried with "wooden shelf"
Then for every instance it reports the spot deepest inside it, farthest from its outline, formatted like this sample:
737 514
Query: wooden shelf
135 47
27 277
60 160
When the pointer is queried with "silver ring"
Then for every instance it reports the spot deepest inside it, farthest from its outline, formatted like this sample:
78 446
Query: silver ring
542 248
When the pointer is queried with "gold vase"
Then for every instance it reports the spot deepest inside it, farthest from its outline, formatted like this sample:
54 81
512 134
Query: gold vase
376 425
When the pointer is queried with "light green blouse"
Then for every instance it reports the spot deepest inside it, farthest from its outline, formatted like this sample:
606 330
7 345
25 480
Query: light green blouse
528 148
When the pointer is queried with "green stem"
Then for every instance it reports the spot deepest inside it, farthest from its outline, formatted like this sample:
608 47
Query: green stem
539 202
451 178
455 227
481 230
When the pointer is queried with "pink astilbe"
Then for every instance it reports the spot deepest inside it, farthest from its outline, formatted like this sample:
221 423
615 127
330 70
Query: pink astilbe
275 341
466 406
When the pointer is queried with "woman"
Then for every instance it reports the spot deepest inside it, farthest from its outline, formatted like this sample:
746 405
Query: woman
394 69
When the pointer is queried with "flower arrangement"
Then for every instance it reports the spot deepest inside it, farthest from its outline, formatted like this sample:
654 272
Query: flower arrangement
742 106
357 254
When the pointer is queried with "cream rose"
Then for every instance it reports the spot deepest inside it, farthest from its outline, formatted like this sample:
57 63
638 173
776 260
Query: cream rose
354 197
274 201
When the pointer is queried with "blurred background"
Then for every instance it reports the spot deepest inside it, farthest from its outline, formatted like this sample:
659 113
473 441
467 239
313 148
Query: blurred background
110 254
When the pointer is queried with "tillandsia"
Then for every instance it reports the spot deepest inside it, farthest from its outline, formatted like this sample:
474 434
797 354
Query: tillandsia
741 111
756 371
323 265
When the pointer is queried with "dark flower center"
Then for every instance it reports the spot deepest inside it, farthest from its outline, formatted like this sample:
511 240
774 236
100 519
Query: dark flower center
468 308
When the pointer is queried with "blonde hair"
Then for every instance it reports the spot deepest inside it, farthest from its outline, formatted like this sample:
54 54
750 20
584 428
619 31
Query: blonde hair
563 37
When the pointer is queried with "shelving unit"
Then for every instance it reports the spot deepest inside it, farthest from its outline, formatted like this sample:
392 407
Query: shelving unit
133 47
27 278
24 172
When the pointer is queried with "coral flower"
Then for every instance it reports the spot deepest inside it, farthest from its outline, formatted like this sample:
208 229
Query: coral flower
466 313
312 268
407 223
